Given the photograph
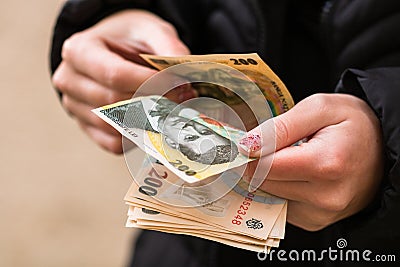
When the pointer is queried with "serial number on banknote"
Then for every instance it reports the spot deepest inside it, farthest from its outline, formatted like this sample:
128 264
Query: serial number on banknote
242 211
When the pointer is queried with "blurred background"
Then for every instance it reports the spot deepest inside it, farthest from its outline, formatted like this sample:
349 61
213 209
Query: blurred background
61 197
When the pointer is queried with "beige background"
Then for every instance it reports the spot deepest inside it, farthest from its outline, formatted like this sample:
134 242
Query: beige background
61 197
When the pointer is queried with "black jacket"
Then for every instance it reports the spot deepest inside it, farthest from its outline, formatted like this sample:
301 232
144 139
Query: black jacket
350 46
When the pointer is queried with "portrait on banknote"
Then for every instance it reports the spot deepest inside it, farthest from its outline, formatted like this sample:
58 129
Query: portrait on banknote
195 140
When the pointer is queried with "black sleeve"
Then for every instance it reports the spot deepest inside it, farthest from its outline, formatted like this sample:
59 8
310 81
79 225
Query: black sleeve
78 15
380 88
204 26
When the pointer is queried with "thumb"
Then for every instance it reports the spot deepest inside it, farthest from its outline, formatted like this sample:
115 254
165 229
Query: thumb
171 46
306 118
167 43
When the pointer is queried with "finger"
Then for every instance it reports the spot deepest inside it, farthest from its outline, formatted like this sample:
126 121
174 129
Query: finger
258 172
182 93
163 40
84 114
109 69
316 160
285 166
107 141
309 217
294 163
267 168
297 190
302 215
169 85
171 44
303 120
309 161
84 89
329 197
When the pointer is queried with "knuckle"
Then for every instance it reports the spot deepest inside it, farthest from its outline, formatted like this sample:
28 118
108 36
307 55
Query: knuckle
68 48
112 76
72 46
333 204
332 165
315 224
319 223
320 102
65 101
114 145
318 220
168 27
113 97
59 80
102 138
104 127
307 219
313 228
180 48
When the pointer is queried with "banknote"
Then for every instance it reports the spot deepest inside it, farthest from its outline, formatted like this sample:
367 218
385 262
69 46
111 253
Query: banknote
190 141
156 216
252 214
142 218
185 145
161 216
233 243
249 220
227 85
192 145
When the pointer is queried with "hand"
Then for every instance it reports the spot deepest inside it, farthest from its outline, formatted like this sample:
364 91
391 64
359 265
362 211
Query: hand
331 176
101 65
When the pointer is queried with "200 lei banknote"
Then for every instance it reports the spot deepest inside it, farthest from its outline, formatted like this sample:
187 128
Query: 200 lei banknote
192 145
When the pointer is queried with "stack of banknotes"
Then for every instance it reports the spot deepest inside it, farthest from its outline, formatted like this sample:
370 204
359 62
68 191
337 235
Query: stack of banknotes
190 179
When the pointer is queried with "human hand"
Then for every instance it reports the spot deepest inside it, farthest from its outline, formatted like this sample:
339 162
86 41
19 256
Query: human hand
331 176
101 65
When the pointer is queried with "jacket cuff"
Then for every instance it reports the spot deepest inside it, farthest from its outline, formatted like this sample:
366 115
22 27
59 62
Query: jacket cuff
380 88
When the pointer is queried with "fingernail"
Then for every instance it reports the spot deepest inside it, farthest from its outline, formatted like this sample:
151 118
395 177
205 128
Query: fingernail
251 143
